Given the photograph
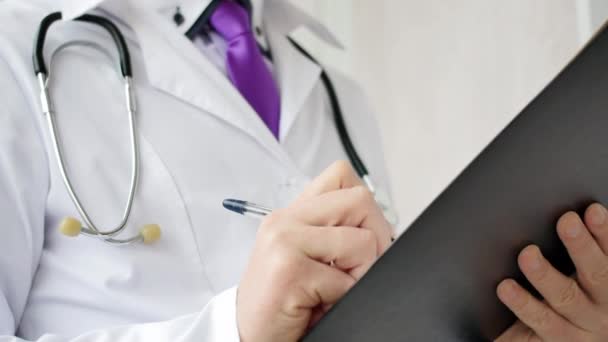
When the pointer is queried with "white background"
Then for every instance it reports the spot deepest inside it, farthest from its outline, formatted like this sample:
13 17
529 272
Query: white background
446 76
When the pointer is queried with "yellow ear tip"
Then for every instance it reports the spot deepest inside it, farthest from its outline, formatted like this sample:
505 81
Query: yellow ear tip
150 233
70 226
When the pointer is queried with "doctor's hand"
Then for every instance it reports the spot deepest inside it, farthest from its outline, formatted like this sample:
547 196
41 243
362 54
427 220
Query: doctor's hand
307 256
574 308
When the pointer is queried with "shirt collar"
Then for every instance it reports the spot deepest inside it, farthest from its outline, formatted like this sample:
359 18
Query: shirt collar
192 9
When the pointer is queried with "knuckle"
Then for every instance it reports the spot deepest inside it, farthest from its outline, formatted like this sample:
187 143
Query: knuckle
530 336
291 306
278 237
568 295
599 276
297 298
368 240
281 265
363 195
541 318
273 233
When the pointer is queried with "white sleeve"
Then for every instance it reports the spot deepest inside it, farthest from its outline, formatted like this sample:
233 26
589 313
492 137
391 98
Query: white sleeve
216 323
23 194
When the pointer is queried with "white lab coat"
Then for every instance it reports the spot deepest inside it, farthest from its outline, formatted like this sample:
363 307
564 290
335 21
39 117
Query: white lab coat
200 143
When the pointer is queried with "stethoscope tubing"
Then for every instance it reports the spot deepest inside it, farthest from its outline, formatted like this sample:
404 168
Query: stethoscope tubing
42 74
338 116
118 38
345 139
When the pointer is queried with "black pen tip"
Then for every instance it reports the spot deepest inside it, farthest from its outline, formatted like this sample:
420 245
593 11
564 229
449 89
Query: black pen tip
237 206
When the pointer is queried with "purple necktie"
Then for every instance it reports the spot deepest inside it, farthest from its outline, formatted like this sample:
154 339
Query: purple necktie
245 64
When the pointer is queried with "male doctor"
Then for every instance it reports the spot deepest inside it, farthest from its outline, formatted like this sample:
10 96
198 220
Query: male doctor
215 119
205 134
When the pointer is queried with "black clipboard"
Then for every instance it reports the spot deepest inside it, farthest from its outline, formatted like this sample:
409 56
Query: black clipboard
437 282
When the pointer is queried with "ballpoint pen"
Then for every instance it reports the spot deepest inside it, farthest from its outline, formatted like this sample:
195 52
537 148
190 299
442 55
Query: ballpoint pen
246 208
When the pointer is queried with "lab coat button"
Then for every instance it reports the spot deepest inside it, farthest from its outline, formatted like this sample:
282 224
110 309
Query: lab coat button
289 182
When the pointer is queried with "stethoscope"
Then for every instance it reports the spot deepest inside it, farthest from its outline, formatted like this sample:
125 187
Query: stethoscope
150 233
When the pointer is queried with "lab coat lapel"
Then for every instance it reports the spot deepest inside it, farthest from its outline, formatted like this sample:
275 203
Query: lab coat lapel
175 66
295 73
296 76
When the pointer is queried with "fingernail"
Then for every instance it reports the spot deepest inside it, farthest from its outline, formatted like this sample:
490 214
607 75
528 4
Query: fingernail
507 291
597 215
534 263
573 231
